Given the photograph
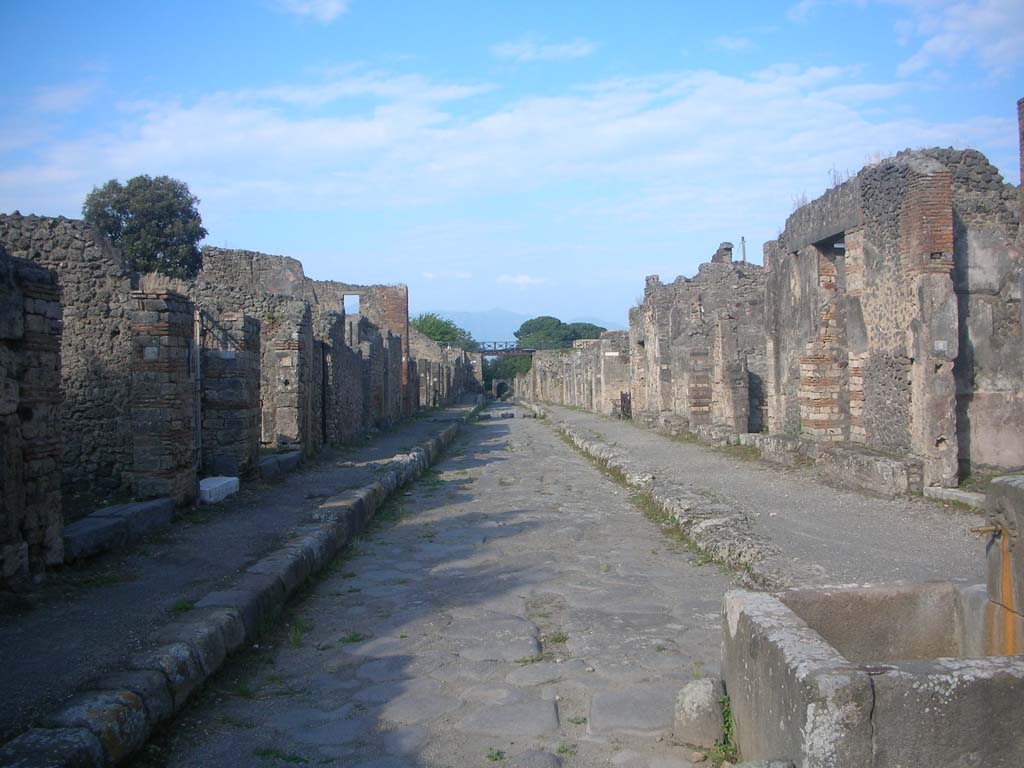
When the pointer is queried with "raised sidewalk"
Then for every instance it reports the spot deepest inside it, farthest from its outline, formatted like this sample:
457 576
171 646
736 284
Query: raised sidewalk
781 526
137 631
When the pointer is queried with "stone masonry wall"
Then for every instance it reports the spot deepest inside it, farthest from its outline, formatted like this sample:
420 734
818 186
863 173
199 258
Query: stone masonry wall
230 373
988 270
444 372
96 434
673 335
862 323
163 402
31 523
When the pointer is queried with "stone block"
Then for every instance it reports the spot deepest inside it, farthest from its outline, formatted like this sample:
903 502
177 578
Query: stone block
974 500
699 713
216 489
203 637
116 718
950 712
1005 556
53 748
180 665
141 517
93 535
792 695
149 685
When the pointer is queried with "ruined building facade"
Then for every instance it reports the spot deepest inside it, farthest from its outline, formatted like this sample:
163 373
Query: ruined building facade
150 383
885 328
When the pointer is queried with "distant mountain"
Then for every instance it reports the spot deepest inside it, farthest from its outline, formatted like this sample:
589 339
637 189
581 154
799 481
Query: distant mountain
501 324
489 325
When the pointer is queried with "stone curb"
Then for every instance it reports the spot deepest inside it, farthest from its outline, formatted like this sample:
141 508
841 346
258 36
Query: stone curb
718 532
113 717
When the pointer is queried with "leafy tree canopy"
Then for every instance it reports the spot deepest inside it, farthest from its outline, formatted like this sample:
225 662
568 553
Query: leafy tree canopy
505 368
444 331
548 332
154 221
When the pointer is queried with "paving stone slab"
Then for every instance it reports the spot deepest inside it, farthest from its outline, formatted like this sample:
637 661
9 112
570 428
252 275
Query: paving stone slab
641 709
526 718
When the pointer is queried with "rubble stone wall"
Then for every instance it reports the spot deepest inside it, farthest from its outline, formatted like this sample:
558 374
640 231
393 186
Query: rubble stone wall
866 323
673 338
230 373
31 523
96 433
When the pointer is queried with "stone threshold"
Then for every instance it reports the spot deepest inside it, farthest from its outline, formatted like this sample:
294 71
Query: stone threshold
113 718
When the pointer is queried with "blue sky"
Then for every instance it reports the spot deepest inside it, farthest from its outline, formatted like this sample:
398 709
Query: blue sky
542 157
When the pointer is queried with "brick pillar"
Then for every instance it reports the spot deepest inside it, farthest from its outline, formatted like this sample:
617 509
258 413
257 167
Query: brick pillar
231 394
824 405
698 387
163 396
926 250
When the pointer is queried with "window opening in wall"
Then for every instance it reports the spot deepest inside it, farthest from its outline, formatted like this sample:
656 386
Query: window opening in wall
352 304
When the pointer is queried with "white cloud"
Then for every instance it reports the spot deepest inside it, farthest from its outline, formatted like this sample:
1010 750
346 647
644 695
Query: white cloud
521 280
69 97
727 43
324 11
991 30
528 49
428 275
655 156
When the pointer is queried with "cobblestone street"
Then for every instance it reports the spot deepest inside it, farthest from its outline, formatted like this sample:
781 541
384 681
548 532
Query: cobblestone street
514 607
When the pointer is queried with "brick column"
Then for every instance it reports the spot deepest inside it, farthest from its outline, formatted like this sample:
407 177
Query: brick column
163 396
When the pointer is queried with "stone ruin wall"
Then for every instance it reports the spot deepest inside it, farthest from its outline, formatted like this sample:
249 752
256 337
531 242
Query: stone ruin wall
893 315
230 377
988 275
676 343
31 521
96 442
593 375
444 372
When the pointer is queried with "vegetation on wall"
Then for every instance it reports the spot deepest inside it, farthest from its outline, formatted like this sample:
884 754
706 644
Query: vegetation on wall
444 331
154 221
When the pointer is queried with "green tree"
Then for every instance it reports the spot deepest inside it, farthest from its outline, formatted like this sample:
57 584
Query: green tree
444 331
154 221
505 368
585 330
546 332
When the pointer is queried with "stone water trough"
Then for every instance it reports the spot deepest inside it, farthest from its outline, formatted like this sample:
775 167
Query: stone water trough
897 675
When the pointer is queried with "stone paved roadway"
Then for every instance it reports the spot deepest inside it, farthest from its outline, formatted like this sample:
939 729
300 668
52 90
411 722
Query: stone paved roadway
515 602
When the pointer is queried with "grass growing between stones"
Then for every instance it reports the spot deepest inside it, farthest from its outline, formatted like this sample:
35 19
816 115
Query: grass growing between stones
297 631
654 512
495 755
182 605
725 750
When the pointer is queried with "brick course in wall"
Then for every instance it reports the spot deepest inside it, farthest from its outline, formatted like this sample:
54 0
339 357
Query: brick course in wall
163 401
